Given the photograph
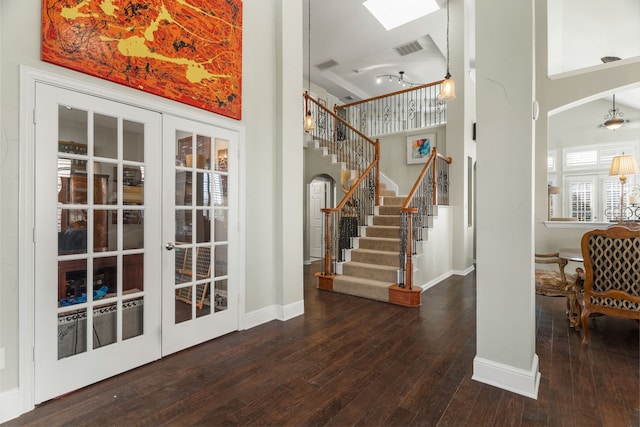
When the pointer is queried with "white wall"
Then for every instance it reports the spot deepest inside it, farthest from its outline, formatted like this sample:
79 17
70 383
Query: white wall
434 261
272 159
393 157
557 94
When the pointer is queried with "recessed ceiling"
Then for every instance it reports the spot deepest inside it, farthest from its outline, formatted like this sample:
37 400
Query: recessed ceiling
581 32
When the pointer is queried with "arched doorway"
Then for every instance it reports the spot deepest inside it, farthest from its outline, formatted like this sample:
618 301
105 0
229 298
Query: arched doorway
320 194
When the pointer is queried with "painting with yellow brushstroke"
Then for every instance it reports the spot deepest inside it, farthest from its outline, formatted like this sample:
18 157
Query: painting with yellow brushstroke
186 50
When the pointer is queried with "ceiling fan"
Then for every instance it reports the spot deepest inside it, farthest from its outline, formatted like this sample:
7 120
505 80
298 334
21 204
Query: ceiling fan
613 119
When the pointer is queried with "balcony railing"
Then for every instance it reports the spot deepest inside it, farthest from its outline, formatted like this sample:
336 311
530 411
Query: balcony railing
405 110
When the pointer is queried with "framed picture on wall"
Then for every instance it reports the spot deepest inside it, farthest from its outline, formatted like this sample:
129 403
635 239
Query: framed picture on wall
419 147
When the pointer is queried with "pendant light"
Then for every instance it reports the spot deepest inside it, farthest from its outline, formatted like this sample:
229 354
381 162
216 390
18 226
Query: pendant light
448 86
309 123
613 120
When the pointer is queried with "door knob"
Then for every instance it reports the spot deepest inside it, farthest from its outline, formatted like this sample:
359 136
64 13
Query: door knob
169 246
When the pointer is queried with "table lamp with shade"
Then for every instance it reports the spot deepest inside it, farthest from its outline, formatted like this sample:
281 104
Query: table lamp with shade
622 166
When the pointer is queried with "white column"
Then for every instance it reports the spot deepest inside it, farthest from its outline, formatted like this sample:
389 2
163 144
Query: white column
505 167
460 144
290 160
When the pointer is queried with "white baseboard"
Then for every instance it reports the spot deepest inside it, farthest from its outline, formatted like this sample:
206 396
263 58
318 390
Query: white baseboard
290 311
507 377
465 271
446 275
258 317
435 281
12 405
274 312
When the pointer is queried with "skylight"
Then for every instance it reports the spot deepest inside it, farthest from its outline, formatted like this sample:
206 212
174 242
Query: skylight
392 14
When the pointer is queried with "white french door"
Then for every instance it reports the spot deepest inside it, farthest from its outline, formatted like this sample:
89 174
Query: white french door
97 291
200 296
135 244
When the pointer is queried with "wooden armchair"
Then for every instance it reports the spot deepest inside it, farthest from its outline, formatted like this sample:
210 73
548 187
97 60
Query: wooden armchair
556 283
612 274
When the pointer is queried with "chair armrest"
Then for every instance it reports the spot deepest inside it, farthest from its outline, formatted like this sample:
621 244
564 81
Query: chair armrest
552 258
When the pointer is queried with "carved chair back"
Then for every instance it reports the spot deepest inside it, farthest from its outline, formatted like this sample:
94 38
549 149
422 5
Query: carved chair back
612 273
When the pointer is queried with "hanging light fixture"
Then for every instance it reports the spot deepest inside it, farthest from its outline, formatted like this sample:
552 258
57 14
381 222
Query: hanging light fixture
309 123
448 86
399 78
613 119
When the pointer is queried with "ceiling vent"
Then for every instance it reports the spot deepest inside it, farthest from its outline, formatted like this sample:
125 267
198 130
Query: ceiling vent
326 64
408 48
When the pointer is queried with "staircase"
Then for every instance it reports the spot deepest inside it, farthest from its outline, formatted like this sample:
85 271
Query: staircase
372 266
369 265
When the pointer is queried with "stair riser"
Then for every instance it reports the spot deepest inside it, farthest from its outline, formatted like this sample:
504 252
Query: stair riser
375 258
373 273
386 220
360 290
391 233
379 245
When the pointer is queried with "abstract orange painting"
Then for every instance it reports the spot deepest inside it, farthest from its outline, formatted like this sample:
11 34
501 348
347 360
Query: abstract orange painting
186 50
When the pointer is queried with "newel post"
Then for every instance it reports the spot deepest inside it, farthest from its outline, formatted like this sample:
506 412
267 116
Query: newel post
377 160
407 295
324 279
327 241
408 265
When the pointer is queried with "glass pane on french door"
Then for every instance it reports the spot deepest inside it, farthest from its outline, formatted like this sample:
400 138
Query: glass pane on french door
100 230
97 296
201 212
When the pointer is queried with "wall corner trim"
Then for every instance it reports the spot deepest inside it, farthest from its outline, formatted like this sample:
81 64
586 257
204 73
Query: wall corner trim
273 312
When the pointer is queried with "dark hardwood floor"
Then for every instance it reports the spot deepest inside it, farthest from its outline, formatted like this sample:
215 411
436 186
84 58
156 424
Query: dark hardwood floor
351 361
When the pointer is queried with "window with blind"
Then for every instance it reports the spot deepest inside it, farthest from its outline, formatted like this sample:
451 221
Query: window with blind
588 192
581 191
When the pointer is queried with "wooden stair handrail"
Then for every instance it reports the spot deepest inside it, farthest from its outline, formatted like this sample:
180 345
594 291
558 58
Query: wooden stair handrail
327 212
353 188
410 211
430 160
308 97
387 95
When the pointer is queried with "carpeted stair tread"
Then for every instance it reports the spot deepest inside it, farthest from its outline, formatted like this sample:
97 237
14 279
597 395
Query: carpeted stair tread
370 271
393 220
360 287
388 231
380 243
394 200
376 257
389 210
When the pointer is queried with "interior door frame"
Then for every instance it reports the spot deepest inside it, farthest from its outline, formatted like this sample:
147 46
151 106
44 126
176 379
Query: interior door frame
23 396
